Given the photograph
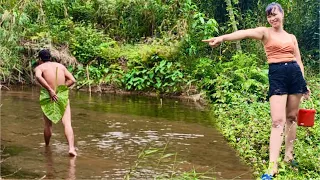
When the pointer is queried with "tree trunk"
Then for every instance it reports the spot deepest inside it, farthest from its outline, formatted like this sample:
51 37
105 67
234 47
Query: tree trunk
233 21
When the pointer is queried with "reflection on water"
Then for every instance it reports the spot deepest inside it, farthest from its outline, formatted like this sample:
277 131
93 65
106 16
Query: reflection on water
110 132
49 163
50 166
50 172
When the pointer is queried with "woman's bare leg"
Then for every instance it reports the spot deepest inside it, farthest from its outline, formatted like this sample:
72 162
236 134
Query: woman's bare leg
68 131
293 102
278 116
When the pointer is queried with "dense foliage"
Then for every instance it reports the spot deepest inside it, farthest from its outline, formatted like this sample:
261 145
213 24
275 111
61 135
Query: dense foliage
155 45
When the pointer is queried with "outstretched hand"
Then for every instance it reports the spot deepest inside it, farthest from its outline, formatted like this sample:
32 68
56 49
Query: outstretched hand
214 42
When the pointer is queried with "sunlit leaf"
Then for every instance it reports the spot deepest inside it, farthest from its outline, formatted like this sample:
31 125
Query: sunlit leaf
54 110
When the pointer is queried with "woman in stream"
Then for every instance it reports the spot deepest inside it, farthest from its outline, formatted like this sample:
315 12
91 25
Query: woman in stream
286 81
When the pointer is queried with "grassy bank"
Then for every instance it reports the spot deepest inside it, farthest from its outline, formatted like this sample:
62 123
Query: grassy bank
247 126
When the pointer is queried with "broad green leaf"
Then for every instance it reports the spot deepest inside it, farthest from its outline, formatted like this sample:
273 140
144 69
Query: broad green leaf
54 110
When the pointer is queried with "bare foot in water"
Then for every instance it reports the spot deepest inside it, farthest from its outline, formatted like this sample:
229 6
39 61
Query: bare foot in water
72 153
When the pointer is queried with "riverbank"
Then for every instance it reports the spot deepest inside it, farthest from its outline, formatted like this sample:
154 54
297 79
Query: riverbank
191 95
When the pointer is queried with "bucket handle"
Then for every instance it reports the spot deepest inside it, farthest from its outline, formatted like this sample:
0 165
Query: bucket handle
311 102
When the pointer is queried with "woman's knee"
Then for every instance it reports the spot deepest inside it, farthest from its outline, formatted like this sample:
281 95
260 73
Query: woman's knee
292 117
278 122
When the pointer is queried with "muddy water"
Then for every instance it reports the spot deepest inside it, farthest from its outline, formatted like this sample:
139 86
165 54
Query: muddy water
110 132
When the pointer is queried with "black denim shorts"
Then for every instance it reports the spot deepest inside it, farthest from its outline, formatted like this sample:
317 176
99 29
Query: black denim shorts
286 78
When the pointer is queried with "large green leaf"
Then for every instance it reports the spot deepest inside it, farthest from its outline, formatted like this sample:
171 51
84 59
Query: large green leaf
54 110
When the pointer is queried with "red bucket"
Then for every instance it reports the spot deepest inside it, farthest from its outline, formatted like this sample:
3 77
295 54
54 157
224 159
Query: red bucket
306 117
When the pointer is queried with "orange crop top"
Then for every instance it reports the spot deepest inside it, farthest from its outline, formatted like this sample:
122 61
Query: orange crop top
277 51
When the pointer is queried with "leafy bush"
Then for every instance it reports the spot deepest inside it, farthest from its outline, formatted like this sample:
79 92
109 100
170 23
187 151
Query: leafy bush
164 77
82 11
137 19
95 74
229 82
11 65
136 54
86 42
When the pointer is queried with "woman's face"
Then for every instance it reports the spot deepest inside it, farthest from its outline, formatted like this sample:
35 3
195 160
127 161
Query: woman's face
275 18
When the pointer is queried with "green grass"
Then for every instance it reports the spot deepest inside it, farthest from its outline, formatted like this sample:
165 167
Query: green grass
247 126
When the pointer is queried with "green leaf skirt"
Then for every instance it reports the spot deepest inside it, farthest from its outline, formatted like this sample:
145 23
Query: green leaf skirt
54 110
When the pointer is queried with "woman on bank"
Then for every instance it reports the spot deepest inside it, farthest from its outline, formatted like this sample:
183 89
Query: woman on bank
286 81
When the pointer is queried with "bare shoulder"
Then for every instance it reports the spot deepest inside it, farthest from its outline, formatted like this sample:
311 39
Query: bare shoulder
293 37
264 33
262 29
39 68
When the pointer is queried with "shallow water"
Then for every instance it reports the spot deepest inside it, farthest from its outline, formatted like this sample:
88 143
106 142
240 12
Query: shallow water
110 131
